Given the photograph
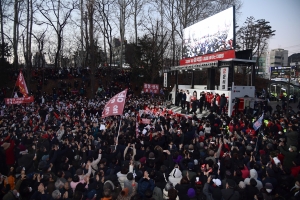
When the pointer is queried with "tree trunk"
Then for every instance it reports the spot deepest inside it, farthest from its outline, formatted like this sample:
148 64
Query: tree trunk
15 33
92 45
2 33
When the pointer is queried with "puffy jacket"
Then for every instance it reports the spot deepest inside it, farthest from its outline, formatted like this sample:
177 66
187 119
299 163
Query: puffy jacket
253 174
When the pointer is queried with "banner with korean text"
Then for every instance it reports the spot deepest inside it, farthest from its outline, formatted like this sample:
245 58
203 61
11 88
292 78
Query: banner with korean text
224 78
165 79
20 100
209 57
115 105
151 88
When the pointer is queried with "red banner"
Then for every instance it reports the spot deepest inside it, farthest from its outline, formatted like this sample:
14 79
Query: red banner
10 101
145 121
115 105
22 85
149 88
209 57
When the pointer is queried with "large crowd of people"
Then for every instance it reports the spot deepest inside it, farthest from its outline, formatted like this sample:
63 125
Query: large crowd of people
59 147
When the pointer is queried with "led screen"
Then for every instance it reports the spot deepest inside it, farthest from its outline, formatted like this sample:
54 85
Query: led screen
211 35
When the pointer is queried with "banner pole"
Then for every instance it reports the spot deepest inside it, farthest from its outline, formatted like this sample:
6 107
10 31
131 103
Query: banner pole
119 128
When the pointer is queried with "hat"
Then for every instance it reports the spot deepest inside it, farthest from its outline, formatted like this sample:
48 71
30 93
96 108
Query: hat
191 165
217 182
231 183
228 173
130 176
176 173
151 155
79 171
270 146
56 194
191 193
45 157
294 148
196 162
249 148
42 165
262 152
269 186
77 157
143 160
242 185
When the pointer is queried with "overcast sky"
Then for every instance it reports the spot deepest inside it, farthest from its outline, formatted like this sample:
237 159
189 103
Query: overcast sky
284 17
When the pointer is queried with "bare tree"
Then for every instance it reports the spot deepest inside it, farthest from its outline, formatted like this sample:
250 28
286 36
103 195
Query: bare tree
137 6
5 6
16 33
255 35
124 7
59 12
92 53
104 8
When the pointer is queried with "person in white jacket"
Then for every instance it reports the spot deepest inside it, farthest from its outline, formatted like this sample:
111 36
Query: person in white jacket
175 176
168 187
253 174
94 163
60 132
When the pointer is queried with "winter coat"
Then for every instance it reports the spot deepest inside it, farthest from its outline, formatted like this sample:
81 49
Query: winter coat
175 176
288 157
253 174
121 178
292 138
226 193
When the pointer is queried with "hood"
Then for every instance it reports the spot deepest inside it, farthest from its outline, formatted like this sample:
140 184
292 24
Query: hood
253 173
176 173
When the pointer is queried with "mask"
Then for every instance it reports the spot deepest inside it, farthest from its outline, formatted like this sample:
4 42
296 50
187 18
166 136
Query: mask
290 149
269 190
297 186
18 194
30 189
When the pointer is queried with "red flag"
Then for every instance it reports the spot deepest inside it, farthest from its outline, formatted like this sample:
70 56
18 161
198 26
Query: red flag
115 105
56 115
22 85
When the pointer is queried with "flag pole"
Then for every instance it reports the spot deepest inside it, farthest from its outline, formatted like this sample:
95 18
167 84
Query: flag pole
119 128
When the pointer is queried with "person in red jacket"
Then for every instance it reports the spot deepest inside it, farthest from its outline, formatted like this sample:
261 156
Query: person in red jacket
9 146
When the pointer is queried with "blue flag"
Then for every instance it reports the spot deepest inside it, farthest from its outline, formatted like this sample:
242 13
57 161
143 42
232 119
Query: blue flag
258 122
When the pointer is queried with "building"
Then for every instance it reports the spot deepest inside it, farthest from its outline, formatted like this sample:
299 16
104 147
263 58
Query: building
262 69
278 57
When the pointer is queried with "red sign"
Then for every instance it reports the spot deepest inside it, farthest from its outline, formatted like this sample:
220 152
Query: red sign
208 57
115 105
10 101
145 121
149 88
22 85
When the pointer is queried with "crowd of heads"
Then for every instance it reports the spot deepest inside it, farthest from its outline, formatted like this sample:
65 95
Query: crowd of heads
64 149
